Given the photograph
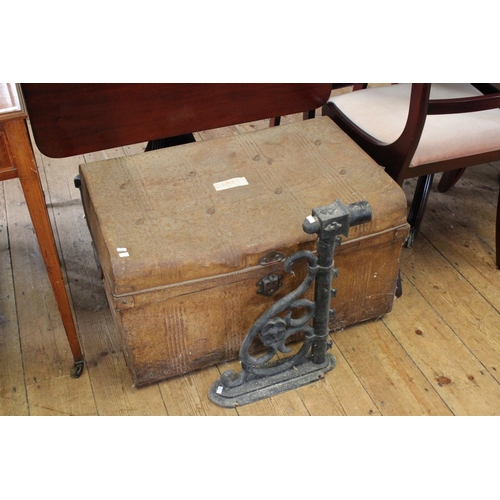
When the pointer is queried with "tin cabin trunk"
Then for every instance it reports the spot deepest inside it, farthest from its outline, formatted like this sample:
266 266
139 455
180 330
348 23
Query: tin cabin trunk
191 239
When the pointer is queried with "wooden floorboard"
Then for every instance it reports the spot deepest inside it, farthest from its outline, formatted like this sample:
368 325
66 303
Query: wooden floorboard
389 374
436 353
113 393
13 397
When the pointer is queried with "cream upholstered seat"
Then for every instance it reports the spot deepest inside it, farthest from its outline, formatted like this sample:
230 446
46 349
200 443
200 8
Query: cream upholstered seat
417 130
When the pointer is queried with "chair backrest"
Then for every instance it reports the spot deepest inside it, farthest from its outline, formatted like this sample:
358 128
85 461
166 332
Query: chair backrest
72 119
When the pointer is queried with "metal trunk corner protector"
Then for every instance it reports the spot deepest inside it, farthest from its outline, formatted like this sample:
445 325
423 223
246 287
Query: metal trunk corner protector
269 374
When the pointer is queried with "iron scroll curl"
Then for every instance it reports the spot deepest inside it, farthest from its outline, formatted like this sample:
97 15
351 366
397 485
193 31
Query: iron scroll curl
274 330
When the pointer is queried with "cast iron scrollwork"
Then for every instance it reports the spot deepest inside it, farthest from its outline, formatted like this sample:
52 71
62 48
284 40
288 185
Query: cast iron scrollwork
273 330
264 376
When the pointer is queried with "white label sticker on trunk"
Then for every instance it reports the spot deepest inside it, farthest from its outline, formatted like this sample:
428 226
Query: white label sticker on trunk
230 183
122 252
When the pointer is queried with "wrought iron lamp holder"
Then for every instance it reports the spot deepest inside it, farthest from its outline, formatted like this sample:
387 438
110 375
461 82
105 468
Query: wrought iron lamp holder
265 376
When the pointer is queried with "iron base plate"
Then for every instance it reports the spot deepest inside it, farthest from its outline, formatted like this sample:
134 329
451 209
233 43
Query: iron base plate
261 388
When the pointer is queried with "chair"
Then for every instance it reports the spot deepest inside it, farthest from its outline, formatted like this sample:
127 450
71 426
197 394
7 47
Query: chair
420 129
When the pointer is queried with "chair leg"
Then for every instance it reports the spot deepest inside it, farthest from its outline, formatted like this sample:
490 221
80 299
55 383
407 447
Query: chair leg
417 207
168 142
399 286
449 179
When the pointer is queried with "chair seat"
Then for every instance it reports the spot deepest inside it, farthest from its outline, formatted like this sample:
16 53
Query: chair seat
444 136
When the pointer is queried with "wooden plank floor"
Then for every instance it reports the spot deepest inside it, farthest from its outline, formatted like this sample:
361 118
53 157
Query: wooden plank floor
436 353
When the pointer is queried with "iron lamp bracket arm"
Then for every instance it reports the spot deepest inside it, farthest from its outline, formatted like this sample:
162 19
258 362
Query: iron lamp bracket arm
262 377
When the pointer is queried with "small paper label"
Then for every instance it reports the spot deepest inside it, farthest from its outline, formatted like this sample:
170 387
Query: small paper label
230 183
311 219
122 252
219 389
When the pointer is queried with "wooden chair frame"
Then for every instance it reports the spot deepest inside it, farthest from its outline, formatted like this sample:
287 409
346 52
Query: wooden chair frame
396 156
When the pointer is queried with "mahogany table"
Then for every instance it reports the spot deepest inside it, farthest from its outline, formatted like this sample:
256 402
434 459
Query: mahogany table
17 160
68 119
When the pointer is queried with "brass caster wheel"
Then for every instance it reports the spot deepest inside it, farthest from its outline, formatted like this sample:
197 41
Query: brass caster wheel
77 369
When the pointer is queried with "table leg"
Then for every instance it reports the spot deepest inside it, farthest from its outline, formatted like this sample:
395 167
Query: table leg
35 200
